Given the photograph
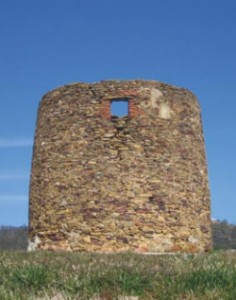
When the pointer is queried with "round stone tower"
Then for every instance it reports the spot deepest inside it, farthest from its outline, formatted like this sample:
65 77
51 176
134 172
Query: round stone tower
108 183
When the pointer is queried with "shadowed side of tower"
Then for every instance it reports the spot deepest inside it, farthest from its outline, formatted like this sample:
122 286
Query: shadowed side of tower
106 183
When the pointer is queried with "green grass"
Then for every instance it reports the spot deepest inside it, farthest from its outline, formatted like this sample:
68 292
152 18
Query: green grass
127 276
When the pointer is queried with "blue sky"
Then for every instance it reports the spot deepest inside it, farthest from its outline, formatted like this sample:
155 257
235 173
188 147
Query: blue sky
45 44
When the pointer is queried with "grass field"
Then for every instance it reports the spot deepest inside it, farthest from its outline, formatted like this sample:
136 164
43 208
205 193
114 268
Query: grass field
59 276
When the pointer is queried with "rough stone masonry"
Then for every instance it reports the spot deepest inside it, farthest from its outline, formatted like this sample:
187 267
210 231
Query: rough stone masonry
104 183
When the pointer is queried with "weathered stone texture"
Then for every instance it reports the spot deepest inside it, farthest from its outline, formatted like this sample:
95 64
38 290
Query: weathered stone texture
138 182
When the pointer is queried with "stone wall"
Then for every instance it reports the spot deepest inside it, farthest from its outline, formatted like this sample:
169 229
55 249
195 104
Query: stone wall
108 184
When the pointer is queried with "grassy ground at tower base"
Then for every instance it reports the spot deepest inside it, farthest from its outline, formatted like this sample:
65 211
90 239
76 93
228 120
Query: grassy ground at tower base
127 276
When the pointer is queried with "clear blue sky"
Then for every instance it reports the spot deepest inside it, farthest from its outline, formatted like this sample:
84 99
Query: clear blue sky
45 44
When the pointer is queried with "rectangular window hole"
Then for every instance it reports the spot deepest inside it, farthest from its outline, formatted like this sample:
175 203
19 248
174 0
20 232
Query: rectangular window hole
120 107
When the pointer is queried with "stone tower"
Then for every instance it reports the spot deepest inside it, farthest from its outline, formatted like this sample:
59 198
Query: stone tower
105 183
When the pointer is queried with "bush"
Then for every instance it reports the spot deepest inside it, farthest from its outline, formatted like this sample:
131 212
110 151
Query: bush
13 238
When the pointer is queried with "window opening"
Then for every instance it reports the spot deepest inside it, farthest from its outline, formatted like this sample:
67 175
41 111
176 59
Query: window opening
120 107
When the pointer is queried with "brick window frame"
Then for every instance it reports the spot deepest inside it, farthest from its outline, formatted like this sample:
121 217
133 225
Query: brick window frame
133 109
